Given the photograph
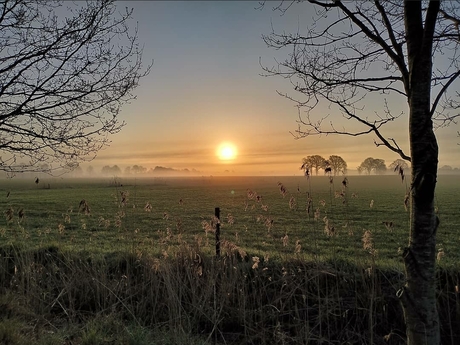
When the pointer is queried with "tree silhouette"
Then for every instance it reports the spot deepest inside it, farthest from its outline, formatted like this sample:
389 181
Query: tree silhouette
138 169
399 163
63 80
90 170
111 170
446 168
375 165
337 164
380 166
394 49
367 165
313 162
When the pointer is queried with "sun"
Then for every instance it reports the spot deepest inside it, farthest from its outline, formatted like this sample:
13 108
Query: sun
226 152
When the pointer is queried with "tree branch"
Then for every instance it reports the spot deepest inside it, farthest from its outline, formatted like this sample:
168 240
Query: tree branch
64 81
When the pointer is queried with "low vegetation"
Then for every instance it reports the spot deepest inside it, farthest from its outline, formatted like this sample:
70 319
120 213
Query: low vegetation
303 261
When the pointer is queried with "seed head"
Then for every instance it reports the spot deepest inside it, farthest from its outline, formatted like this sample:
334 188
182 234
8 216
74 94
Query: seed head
298 247
368 243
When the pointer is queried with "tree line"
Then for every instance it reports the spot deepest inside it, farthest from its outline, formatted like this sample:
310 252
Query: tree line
337 165
113 170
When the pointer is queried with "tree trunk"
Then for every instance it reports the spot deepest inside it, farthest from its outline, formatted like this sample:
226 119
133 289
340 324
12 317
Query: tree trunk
418 296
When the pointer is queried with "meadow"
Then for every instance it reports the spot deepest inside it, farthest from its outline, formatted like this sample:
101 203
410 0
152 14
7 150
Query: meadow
158 214
127 260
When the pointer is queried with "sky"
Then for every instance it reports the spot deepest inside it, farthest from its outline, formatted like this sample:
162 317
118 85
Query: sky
206 86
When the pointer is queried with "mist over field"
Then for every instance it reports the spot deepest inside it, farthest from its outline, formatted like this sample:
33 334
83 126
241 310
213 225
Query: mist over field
351 204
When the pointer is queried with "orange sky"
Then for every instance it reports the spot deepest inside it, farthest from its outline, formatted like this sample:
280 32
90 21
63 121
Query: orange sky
205 87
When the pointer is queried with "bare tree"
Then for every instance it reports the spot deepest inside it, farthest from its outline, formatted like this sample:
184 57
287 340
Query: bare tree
367 165
138 169
446 168
65 71
337 164
316 161
379 166
355 50
399 166
90 170
111 170
375 165
399 163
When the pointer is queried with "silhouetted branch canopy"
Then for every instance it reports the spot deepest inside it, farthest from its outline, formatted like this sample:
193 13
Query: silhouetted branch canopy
354 50
66 68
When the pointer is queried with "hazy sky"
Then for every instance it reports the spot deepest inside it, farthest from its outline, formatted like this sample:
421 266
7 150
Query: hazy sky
206 87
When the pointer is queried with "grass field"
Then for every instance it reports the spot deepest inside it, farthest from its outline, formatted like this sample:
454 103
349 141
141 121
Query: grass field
132 261
159 214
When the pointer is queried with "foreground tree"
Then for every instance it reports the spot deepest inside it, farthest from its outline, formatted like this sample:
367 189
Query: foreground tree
313 162
386 48
337 164
63 80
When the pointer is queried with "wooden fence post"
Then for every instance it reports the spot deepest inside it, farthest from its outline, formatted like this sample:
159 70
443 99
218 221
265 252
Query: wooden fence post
217 214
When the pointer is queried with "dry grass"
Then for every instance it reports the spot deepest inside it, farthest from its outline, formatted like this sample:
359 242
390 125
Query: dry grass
160 282
233 299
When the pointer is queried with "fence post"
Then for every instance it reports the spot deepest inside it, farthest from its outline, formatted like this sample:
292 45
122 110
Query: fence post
217 214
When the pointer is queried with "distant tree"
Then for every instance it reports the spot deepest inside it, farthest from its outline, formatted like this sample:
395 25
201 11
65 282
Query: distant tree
379 166
399 163
128 170
313 162
375 165
116 170
337 164
400 167
76 172
138 169
367 165
63 79
446 168
90 170
106 170
111 170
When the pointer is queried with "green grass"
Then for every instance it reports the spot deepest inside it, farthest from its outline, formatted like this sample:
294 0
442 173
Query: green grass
179 206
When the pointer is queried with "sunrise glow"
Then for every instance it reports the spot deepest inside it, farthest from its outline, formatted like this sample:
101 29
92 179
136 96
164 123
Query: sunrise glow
205 88
226 152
